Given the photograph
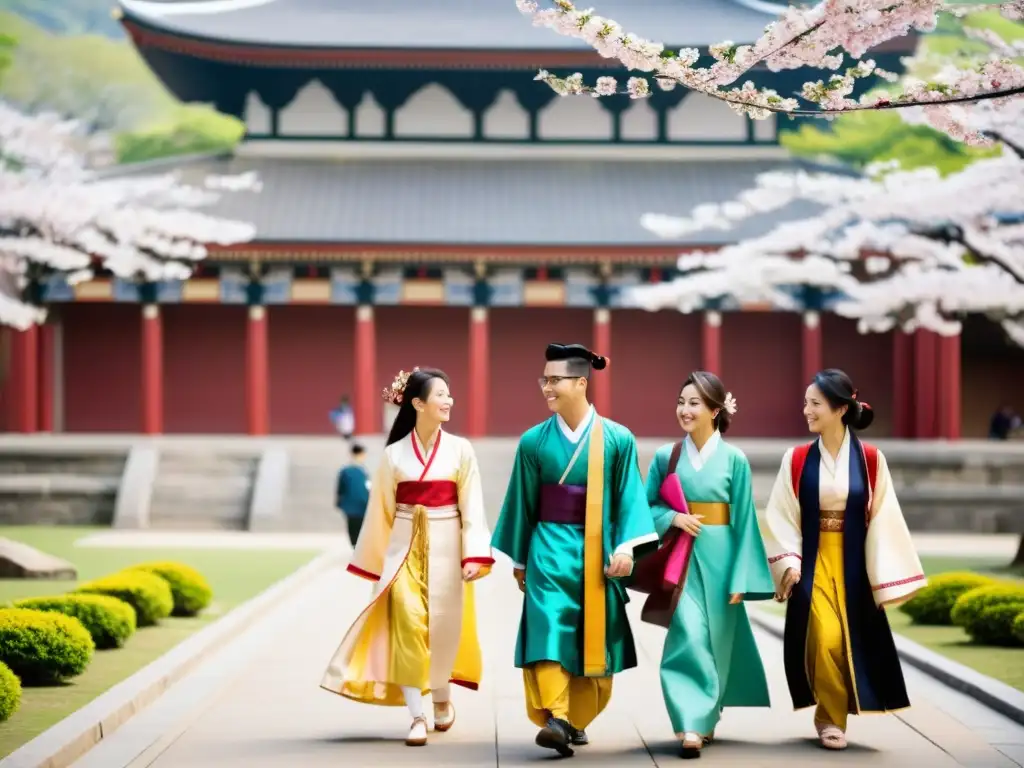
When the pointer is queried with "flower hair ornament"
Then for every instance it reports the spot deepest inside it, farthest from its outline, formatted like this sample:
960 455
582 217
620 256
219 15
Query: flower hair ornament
396 392
730 404
862 404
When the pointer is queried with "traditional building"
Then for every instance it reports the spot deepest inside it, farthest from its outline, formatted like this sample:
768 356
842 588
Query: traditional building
425 202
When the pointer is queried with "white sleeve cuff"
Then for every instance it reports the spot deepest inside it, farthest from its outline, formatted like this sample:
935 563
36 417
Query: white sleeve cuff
627 547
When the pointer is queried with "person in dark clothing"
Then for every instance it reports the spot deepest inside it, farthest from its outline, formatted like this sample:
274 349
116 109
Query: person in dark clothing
344 418
353 492
1004 422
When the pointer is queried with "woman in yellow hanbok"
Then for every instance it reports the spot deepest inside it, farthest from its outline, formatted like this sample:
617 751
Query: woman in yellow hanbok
424 542
840 552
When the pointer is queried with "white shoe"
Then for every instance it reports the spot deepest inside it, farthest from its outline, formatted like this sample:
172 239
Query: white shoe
417 733
444 716
692 744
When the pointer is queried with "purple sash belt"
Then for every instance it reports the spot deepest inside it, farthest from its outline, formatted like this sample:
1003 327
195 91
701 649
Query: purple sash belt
565 504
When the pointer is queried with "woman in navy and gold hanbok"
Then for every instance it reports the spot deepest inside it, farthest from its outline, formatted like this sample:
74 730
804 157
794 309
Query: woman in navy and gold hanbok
840 552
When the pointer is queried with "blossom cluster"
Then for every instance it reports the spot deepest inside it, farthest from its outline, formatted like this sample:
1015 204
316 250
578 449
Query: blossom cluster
906 249
801 37
58 216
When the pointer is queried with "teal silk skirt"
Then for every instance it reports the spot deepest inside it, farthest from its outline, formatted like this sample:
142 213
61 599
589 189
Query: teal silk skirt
710 660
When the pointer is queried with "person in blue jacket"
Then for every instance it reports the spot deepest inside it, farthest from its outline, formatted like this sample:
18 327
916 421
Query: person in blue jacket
353 492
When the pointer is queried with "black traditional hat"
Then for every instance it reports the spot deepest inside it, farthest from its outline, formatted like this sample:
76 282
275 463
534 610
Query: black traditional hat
574 352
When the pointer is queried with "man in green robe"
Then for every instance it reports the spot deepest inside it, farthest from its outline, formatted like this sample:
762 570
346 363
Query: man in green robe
574 519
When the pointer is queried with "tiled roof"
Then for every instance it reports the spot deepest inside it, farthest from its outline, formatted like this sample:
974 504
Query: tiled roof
482 202
438 24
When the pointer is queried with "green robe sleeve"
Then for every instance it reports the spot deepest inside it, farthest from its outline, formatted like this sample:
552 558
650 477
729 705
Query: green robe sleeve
750 574
662 513
634 532
514 528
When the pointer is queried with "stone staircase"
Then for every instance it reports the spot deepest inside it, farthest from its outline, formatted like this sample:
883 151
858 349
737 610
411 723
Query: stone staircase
202 490
309 497
288 484
53 485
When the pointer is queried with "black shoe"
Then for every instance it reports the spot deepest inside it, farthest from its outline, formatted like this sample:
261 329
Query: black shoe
578 737
556 735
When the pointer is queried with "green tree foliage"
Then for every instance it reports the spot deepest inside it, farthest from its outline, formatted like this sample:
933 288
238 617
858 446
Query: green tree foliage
861 138
68 17
867 137
106 84
6 48
193 130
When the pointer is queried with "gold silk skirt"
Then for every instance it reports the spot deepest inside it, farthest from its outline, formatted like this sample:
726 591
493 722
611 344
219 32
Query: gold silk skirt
419 629
829 667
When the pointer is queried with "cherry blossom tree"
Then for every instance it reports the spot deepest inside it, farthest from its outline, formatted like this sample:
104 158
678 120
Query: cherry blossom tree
819 37
907 249
57 215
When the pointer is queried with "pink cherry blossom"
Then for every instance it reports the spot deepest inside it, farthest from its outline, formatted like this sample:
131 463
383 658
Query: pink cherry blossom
58 215
931 248
801 37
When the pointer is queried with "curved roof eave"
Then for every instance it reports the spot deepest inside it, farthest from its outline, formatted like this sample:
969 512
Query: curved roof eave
453 25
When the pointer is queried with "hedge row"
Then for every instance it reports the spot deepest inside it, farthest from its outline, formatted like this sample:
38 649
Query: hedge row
46 640
989 610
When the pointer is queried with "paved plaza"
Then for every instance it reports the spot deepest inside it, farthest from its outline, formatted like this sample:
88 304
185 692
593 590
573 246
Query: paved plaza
257 703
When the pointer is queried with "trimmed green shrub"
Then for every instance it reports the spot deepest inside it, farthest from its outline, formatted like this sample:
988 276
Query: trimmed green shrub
191 591
1018 628
10 692
933 604
42 647
147 593
109 620
970 604
994 625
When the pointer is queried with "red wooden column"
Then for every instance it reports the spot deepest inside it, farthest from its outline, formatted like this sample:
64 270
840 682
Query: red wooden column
152 370
811 345
479 371
948 387
601 396
367 393
711 343
25 380
47 371
926 368
902 384
257 365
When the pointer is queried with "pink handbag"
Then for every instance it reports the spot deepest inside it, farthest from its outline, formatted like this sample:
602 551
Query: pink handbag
662 575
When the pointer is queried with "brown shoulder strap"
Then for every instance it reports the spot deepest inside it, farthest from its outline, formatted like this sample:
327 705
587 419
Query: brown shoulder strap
673 459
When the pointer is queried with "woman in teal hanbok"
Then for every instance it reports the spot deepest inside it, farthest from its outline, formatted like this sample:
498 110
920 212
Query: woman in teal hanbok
710 660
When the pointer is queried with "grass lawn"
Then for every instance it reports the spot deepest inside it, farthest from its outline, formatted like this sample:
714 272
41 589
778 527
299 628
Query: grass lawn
234 575
1003 664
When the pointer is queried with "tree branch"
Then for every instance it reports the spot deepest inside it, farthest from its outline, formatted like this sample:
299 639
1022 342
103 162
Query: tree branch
1017 149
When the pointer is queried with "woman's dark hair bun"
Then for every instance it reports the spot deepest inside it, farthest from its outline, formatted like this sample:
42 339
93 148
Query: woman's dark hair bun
838 390
597 362
859 416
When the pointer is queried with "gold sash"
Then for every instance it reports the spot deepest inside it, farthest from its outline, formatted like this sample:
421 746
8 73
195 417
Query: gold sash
594 651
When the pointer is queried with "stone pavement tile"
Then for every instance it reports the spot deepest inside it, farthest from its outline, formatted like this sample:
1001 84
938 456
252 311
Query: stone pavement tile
1015 752
777 736
615 741
963 743
274 713
1001 736
156 538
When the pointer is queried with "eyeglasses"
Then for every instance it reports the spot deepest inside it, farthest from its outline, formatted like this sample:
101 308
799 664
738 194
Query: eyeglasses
554 381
